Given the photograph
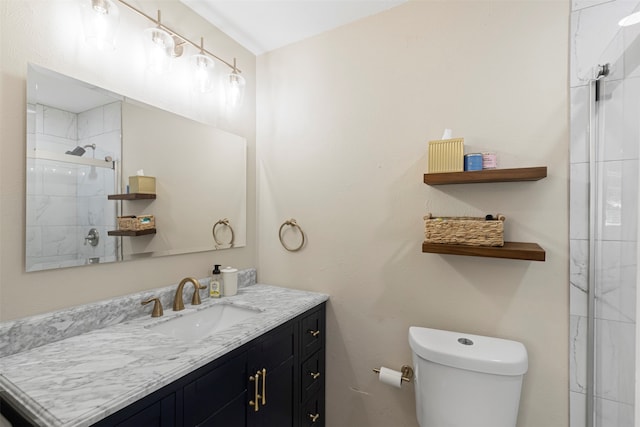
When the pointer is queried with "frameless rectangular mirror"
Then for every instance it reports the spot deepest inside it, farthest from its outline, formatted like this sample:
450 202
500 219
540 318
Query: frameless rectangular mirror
84 142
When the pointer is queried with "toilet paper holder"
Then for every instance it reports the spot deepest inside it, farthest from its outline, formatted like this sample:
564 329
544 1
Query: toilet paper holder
406 370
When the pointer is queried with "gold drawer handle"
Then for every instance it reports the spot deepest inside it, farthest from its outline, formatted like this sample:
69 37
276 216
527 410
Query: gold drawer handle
314 417
264 386
256 401
314 333
315 375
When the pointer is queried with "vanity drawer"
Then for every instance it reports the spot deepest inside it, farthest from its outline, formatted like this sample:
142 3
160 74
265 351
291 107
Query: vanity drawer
312 375
312 333
312 414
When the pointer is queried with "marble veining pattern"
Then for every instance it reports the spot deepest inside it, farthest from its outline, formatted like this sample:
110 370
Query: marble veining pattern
597 39
70 383
35 331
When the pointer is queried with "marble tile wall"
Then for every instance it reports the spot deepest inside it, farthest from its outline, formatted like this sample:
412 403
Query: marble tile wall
64 201
597 39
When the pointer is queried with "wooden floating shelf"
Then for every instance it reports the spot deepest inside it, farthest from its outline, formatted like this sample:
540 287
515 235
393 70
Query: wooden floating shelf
510 250
486 175
132 233
131 196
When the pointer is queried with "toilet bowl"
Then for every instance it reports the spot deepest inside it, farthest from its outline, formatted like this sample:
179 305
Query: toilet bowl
464 380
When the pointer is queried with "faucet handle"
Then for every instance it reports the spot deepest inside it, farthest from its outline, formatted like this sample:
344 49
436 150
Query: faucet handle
157 307
195 300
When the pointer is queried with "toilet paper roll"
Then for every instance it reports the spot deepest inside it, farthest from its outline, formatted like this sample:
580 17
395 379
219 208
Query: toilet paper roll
391 377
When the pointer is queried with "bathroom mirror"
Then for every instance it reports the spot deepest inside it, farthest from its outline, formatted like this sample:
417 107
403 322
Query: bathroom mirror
83 144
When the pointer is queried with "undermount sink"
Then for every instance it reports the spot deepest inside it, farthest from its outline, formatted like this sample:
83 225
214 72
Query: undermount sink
205 322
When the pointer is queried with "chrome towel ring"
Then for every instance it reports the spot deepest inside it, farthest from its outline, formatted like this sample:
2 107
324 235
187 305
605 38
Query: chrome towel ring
293 223
224 221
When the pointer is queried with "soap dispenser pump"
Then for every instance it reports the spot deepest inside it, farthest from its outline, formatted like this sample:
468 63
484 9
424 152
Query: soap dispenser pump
214 284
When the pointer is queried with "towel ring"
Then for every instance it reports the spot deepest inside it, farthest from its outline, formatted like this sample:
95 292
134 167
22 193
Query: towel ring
224 221
291 222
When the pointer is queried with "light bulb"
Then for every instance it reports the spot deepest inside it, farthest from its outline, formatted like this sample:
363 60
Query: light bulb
159 45
235 90
100 20
203 73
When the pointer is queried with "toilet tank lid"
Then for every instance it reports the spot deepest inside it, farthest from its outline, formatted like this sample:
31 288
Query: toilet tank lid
472 352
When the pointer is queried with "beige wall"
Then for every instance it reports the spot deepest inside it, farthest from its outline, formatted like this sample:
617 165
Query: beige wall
343 124
49 33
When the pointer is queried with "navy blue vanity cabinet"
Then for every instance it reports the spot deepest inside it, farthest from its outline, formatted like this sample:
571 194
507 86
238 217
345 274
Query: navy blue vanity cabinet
160 414
273 383
276 380
218 397
312 368
156 410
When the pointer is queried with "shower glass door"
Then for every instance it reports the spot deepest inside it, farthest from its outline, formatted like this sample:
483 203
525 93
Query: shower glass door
604 245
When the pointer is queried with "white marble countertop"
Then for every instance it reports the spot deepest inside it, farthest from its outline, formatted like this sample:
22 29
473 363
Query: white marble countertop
80 380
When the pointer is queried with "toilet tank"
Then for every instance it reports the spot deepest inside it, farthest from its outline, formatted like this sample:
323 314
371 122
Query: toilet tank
464 380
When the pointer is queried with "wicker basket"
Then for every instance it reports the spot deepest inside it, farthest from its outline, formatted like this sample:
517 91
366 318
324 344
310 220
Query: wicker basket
469 231
135 223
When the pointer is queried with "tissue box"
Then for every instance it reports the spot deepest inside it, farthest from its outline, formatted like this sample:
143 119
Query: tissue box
142 184
135 223
446 155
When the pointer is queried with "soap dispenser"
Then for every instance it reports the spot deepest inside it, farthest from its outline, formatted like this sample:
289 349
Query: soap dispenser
214 284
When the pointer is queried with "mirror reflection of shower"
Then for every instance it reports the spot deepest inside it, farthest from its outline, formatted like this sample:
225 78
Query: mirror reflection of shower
79 151
67 186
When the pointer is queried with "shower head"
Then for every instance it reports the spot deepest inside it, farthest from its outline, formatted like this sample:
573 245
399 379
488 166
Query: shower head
78 151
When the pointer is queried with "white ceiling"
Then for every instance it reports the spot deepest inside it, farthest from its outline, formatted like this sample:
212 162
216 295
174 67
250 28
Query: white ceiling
265 25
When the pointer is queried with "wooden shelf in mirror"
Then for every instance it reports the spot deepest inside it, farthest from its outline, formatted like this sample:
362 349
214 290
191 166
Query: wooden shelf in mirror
510 250
486 175
131 233
131 196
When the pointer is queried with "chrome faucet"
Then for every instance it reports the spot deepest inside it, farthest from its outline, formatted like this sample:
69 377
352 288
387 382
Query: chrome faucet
178 303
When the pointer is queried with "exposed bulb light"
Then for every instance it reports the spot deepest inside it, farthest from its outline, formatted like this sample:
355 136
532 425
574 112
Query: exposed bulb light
160 46
101 19
203 70
632 19
235 84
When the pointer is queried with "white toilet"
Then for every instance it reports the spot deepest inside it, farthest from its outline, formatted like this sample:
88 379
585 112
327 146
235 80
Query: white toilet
465 380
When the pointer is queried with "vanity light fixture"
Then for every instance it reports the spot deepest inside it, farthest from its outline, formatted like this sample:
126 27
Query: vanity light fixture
203 70
100 19
160 47
629 20
234 86
164 43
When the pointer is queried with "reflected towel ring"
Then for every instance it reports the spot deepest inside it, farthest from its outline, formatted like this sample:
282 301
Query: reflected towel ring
224 221
292 222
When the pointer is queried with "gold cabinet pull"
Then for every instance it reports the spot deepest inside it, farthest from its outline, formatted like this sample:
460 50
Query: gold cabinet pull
264 386
314 417
255 402
314 333
315 375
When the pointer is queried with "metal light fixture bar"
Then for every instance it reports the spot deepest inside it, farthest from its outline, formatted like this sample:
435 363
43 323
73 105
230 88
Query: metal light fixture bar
183 38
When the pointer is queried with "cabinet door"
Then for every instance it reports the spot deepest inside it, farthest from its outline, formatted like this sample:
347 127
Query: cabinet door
232 415
274 358
279 408
152 411
218 396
